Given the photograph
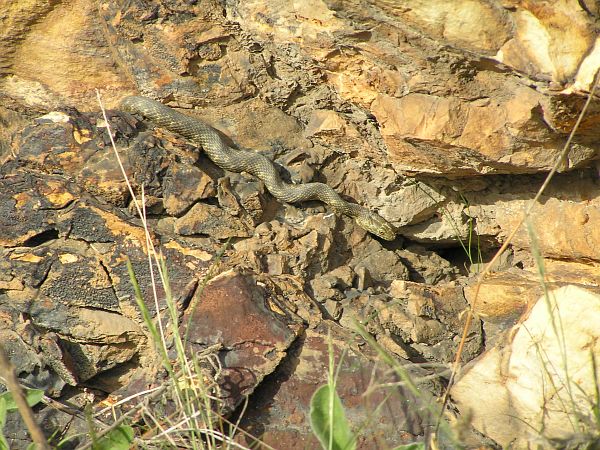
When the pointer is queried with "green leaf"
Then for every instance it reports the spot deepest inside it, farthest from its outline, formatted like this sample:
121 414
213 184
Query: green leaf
328 420
3 411
33 397
414 446
118 439
3 442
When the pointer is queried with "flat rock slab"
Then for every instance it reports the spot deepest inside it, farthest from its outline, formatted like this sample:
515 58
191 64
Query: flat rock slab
542 376
279 411
254 332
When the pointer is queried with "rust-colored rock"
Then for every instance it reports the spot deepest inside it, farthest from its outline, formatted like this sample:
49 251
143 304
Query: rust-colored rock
255 333
279 415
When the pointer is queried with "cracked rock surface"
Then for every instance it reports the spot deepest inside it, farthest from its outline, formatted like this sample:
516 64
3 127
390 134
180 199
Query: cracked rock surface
445 124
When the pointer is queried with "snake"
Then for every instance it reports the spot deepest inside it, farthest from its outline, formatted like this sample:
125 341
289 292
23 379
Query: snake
241 160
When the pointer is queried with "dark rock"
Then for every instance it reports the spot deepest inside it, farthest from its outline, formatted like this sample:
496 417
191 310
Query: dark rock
426 266
234 311
279 410
212 221
431 320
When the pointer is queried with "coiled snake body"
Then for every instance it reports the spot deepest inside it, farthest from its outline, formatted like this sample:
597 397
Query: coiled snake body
236 160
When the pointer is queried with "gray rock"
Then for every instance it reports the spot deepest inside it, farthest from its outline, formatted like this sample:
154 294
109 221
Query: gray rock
383 266
212 221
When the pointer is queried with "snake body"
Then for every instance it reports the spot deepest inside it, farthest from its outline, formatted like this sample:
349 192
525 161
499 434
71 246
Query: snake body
236 160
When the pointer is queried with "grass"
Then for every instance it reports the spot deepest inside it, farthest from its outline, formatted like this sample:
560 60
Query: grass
196 422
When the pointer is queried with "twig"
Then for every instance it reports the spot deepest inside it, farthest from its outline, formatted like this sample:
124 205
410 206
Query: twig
124 417
7 371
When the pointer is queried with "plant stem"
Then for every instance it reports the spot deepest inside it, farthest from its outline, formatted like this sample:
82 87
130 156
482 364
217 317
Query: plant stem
7 372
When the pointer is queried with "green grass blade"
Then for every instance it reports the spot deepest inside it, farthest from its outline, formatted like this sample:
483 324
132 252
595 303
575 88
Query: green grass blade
414 446
328 420
32 396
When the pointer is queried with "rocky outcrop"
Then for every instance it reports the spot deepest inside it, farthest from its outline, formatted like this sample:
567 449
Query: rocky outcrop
444 119
541 377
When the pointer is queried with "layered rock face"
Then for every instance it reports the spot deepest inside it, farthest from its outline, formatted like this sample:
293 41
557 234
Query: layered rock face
445 117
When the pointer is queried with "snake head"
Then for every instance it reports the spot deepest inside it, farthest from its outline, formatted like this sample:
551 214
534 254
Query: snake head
377 225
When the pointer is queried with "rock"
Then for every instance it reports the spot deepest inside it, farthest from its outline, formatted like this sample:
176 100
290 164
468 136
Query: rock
359 94
303 251
280 407
437 131
412 204
332 285
234 311
246 201
333 129
383 266
504 297
364 280
212 221
424 321
426 266
541 377
15 429
562 222
184 185
65 287
253 199
449 226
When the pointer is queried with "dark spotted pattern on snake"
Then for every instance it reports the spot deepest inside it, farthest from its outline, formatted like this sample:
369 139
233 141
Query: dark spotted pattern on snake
236 160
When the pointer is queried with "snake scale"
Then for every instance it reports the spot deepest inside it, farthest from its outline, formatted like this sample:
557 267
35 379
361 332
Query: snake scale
236 160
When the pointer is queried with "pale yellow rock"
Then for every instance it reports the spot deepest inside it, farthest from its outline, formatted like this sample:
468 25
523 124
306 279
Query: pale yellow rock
562 228
55 58
503 297
551 39
470 23
324 121
587 70
542 378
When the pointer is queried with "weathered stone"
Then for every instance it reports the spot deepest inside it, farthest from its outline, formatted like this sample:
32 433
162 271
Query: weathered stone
246 200
212 221
332 128
279 409
384 266
54 421
414 203
504 297
184 185
332 285
253 200
448 226
234 311
352 93
70 282
277 264
427 321
426 266
563 223
542 377
28 208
